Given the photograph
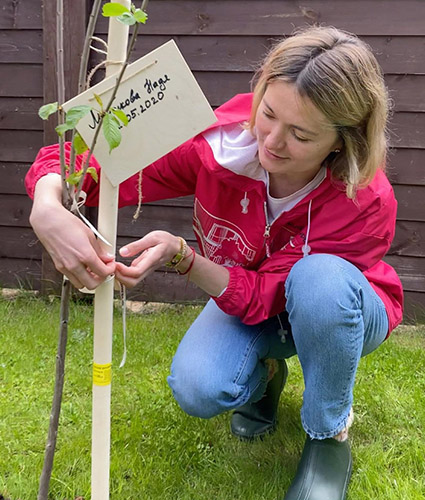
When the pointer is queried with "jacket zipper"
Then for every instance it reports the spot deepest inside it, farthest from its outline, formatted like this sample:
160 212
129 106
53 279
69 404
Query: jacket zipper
267 231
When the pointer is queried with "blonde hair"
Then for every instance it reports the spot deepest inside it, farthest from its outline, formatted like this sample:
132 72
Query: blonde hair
341 77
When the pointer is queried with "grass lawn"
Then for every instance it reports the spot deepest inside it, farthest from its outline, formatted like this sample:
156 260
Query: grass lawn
158 452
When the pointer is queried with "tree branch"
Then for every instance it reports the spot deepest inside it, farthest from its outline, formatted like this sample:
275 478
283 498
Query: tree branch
83 67
57 396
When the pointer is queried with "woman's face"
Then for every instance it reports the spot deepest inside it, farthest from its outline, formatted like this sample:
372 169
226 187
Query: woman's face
294 137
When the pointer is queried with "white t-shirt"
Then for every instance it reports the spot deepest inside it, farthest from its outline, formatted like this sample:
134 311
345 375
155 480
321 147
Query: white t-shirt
276 206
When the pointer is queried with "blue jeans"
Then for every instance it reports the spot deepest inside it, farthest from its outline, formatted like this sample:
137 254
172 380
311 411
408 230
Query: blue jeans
332 318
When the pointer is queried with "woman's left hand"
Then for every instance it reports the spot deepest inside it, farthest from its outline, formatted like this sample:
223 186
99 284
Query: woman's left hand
153 250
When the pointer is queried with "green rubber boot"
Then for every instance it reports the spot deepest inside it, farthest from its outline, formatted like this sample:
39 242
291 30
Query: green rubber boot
323 472
255 420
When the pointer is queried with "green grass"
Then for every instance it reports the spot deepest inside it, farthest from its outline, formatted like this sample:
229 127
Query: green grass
157 451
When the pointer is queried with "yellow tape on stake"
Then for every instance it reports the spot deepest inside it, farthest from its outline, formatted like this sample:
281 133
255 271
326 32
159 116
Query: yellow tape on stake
102 374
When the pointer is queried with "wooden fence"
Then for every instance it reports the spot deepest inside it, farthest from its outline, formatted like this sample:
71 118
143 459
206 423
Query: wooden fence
222 41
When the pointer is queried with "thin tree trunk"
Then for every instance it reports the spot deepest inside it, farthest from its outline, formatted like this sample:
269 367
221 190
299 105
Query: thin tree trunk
49 453
57 396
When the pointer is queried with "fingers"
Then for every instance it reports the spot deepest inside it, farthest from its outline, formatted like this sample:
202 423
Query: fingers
82 276
163 240
98 261
137 271
134 248
122 275
82 265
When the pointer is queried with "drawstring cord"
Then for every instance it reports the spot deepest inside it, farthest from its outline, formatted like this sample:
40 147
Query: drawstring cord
306 248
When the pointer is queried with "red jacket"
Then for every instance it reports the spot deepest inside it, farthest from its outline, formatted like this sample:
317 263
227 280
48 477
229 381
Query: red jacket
259 256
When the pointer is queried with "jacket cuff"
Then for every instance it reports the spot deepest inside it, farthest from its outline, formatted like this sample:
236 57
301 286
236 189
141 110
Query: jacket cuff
226 300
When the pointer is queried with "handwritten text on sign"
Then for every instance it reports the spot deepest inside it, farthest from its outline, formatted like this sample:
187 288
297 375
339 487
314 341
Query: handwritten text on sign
136 100
164 106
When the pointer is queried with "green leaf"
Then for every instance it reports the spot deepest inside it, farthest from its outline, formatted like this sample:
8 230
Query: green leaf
119 113
61 129
140 16
99 101
48 109
79 145
74 178
93 172
113 9
74 115
127 19
111 131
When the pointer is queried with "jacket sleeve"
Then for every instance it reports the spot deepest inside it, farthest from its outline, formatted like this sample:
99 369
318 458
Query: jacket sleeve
171 176
361 237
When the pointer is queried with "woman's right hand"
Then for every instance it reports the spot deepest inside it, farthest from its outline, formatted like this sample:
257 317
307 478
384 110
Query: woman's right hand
71 244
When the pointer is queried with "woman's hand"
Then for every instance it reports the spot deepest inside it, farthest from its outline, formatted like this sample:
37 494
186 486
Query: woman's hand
154 250
71 244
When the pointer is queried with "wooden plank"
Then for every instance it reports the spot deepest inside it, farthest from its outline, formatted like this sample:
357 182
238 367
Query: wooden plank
22 147
20 273
276 18
15 210
177 220
401 18
167 287
412 283
396 55
406 166
21 46
12 178
411 202
17 113
414 307
19 243
220 87
409 239
407 92
183 201
20 14
21 80
407 130
411 271
207 53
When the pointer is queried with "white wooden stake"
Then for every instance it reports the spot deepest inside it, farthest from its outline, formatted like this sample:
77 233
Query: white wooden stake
103 306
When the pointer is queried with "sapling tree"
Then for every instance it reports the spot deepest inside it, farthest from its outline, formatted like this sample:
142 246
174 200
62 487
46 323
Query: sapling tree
110 121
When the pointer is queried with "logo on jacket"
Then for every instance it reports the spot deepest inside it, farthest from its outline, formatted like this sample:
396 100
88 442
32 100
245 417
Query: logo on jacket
222 241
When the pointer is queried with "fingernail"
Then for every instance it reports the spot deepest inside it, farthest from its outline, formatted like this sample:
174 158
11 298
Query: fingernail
124 251
110 256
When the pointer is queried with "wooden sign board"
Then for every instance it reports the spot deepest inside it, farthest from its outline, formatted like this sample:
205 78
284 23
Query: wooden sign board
163 103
